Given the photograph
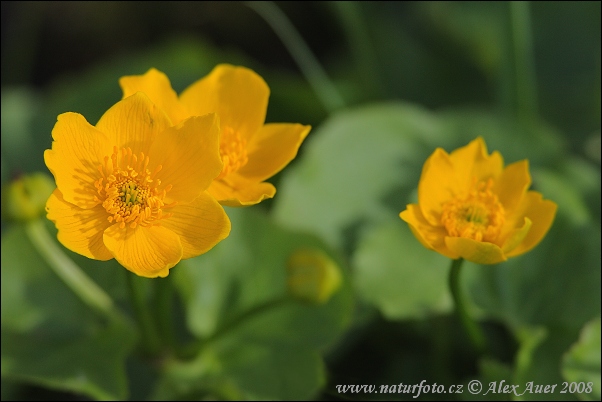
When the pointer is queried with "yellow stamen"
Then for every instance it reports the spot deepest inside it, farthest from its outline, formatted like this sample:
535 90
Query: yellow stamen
129 194
478 216
233 150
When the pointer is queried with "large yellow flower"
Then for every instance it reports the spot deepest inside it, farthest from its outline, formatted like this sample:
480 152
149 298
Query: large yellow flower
134 188
471 207
251 150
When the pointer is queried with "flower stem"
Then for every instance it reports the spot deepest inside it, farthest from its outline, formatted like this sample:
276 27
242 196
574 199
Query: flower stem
165 298
73 276
306 60
195 348
474 331
148 330
254 311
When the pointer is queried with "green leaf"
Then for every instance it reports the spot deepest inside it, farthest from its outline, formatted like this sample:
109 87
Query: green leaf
556 284
351 164
19 109
581 364
402 278
236 301
544 296
538 363
50 337
563 192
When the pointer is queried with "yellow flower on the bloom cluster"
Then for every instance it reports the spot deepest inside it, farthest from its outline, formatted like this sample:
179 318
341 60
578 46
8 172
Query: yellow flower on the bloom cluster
251 150
134 188
471 207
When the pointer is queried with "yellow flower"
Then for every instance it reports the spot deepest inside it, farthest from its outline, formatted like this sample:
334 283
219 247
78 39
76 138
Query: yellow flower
251 150
134 188
471 207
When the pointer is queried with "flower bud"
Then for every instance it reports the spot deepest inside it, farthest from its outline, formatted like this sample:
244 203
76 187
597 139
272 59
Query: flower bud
312 276
24 199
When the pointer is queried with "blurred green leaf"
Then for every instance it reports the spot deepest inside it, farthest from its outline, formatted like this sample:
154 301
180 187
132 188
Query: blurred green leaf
20 107
556 284
541 144
581 364
478 29
538 362
353 161
49 337
273 353
563 192
544 296
490 372
402 278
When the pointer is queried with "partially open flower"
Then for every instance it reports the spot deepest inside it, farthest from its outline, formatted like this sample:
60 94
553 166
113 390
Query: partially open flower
251 150
133 187
471 207
312 276
24 198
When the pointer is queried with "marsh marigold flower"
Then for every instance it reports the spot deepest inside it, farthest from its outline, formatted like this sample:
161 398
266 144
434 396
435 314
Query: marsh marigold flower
251 150
134 188
471 207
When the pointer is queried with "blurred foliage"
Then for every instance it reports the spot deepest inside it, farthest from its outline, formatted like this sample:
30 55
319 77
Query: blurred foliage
415 76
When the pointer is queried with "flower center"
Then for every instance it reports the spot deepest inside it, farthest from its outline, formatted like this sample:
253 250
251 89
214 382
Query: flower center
478 216
128 190
233 150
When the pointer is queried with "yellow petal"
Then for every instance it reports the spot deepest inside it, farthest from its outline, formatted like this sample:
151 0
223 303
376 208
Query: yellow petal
473 163
236 191
133 122
431 237
516 237
512 184
271 149
77 151
157 87
438 184
475 251
146 251
541 213
237 94
189 156
80 230
200 224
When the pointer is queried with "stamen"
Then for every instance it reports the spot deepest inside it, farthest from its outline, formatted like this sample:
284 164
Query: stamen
478 216
233 150
127 191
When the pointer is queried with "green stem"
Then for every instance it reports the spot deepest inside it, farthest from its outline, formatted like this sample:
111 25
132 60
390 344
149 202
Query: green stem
195 348
524 65
474 331
140 304
254 311
305 59
73 276
165 297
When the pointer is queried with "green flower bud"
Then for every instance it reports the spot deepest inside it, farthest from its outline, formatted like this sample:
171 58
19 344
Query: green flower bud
312 276
24 199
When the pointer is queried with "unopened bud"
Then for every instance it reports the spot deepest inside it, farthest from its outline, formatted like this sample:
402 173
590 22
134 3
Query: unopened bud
24 199
312 276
